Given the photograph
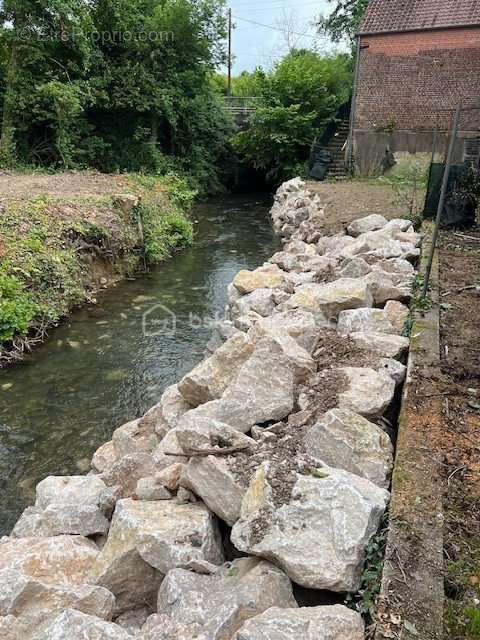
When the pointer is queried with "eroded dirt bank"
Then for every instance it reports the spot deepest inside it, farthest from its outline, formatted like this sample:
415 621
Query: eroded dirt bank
65 237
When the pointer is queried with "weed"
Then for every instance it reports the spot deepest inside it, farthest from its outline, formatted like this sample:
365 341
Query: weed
365 600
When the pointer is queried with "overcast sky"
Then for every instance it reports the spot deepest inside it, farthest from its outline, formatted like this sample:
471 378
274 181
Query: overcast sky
256 45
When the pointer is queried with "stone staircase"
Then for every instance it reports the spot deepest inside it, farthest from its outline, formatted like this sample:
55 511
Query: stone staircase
336 147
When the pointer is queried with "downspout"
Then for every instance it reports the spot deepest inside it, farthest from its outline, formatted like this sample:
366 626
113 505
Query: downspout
350 152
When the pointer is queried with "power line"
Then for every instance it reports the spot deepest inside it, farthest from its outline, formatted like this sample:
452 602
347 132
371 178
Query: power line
275 7
269 26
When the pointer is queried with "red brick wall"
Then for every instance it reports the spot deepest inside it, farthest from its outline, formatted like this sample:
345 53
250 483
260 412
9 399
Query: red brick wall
417 79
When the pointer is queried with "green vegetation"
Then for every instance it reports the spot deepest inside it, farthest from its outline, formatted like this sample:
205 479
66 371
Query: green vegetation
115 85
47 247
299 98
344 20
365 600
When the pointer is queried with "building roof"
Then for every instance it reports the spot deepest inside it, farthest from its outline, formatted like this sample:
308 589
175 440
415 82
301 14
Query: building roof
384 16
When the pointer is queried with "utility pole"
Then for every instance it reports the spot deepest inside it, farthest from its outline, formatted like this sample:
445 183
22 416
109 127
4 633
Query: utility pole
229 87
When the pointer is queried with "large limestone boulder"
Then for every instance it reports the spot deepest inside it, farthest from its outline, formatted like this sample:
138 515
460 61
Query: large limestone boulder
32 601
368 393
148 539
384 288
348 441
217 605
318 531
263 389
135 436
59 519
74 490
330 299
266 277
204 436
73 625
297 323
385 344
401 271
261 301
355 268
364 321
165 415
63 560
313 623
363 225
211 377
212 479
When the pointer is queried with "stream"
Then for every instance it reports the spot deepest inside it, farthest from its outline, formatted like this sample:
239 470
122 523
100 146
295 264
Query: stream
111 362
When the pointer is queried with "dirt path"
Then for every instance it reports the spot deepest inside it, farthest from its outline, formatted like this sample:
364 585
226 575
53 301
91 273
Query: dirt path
70 183
460 386
352 199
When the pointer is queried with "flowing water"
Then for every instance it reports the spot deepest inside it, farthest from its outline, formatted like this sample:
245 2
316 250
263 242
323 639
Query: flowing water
111 362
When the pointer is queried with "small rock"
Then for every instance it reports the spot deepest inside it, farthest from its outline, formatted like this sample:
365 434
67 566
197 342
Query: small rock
217 605
134 437
63 560
150 489
170 477
104 457
61 519
363 225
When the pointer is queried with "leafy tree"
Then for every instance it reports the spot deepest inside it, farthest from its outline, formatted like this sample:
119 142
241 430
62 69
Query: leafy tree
300 97
113 84
344 21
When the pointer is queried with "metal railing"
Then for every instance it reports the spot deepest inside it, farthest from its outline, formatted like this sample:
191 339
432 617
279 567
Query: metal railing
238 106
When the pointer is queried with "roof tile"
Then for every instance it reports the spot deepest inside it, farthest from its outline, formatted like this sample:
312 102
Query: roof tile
411 15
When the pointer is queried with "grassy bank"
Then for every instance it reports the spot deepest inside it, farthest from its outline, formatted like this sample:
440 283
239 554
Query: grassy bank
85 232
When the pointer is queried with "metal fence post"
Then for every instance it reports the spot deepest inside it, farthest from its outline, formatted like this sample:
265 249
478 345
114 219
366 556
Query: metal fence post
443 196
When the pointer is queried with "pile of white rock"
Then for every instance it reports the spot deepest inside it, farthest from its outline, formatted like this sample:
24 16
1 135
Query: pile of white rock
266 466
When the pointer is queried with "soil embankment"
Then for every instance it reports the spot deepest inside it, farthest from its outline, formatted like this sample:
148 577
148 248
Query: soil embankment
64 237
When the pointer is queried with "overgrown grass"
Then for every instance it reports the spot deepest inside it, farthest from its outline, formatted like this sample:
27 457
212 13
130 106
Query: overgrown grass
47 247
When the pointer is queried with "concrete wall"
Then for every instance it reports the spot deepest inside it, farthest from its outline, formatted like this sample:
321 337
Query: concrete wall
411 149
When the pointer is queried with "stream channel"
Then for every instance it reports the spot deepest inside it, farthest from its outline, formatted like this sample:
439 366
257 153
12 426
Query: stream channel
110 363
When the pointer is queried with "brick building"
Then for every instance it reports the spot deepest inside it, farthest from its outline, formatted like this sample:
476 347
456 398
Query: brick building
418 60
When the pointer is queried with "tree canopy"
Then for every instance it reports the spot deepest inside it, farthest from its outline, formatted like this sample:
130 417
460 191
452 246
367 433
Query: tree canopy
300 96
114 84
344 21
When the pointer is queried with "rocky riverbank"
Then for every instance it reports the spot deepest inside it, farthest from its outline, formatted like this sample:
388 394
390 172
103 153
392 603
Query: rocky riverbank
264 470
